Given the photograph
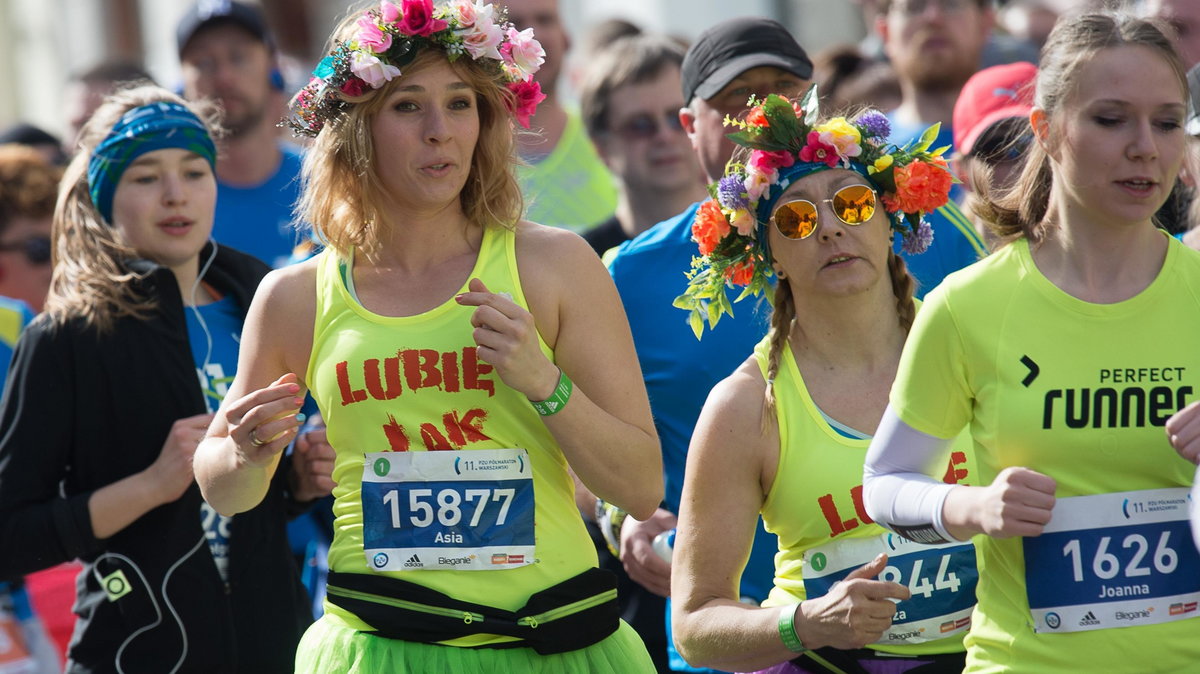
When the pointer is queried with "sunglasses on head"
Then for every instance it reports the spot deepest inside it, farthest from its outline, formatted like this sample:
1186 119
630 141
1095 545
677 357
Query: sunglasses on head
36 249
646 125
797 219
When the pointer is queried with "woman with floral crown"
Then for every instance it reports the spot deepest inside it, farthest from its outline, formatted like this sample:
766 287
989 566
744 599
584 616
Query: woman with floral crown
815 204
466 363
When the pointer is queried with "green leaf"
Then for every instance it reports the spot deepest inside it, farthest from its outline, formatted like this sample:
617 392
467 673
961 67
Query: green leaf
940 151
928 137
697 323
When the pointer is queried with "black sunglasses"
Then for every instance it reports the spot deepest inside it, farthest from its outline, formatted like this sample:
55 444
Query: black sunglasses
645 125
36 249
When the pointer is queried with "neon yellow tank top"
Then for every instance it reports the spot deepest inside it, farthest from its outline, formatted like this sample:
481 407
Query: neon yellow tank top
816 509
388 385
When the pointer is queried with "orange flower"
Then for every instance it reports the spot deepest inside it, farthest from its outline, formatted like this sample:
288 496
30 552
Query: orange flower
757 118
709 227
920 186
740 273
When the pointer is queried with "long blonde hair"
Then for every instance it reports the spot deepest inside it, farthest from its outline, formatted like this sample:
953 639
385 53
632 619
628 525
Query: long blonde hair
91 281
343 198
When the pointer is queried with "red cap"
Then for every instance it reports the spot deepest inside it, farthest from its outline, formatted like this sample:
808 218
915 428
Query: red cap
992 94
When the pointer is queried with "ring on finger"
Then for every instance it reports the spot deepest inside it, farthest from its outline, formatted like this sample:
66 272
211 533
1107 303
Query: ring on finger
254 439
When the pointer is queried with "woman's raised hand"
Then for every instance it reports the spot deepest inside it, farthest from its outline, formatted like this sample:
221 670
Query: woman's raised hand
854 613
508 340
263 422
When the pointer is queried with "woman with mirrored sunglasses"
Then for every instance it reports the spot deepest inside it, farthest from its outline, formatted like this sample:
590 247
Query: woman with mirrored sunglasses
815 204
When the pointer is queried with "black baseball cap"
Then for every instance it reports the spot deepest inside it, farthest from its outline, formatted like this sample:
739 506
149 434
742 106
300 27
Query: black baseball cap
732 47
204 13
1193 80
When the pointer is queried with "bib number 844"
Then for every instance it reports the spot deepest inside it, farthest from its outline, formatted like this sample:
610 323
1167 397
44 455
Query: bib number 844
450 505
921 585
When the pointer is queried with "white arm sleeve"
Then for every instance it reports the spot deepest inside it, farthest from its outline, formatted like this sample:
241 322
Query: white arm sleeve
897 488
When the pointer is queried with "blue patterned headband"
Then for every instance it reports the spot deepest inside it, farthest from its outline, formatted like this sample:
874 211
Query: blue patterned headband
157 126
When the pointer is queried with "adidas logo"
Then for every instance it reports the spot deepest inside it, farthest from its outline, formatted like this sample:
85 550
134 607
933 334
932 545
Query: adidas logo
552 405
1089 619
414 562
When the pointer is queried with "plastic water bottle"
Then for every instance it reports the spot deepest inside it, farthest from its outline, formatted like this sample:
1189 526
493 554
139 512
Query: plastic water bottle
664 545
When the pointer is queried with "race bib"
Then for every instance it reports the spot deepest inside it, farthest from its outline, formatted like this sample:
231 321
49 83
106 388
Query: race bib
942 580
467 510
1113 560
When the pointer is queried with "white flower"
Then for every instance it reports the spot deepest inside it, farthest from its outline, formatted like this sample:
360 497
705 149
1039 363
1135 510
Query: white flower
371 70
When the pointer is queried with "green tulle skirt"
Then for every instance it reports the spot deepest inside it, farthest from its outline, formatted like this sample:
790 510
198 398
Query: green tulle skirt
330 647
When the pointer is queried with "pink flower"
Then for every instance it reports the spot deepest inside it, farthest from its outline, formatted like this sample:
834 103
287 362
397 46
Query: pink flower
770 161
818 152
846 146
481 37
527 94
354 87
371 70
467 11
757 182
388 12
522 53
371 36
743 222
418 18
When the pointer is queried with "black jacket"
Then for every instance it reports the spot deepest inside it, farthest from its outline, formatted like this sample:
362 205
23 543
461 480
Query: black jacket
81 411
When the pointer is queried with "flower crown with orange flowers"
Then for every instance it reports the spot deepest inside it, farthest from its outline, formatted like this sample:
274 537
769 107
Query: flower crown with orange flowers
787 143
389 38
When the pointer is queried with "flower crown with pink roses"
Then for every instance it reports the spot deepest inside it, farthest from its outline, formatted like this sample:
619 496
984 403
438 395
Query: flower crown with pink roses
389 38
787 142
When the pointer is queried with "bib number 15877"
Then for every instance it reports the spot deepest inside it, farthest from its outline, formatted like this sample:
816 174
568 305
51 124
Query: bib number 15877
448 506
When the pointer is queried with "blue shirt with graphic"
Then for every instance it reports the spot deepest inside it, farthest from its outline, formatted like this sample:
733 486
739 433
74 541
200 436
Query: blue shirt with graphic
215 331
260 220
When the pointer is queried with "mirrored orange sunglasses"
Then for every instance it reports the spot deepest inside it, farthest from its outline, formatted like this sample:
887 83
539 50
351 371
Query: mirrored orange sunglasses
797 219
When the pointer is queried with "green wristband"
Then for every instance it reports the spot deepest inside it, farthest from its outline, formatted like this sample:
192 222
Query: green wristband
558 399
787 629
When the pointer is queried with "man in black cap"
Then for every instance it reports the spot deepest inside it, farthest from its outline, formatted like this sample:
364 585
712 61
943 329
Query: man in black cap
227 54
726 64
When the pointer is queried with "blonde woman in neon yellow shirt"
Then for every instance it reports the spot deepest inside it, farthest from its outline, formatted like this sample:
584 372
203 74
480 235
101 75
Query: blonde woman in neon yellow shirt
466 363
1061 354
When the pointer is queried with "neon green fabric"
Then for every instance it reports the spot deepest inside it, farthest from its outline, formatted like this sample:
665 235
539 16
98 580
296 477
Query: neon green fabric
415 383
816 498
1046 381
571 187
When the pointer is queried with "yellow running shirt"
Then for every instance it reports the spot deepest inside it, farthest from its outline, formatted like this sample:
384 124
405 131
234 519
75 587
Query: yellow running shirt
816 509
445 476
1080 392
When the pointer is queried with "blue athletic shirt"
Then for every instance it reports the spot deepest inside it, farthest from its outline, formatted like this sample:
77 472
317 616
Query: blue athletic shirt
259 220
215 368
680 370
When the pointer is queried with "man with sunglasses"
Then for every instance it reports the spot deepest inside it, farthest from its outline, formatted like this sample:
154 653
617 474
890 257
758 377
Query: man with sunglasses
630 101
727 63
991 129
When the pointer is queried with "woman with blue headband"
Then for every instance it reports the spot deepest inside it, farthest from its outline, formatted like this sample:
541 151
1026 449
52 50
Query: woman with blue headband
110 391
814 203
466 363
